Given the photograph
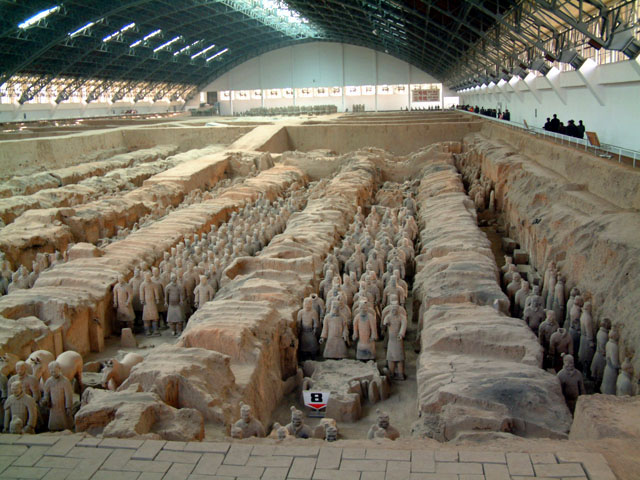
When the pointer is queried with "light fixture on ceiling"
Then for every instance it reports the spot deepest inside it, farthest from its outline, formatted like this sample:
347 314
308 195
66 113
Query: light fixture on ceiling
572 57
540 65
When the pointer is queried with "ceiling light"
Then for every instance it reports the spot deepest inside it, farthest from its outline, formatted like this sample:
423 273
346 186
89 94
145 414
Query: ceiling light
217 54
201 52
81 29
166 44
29 22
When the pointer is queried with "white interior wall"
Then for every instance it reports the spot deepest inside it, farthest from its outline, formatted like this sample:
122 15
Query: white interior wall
320 64
47 111
605 97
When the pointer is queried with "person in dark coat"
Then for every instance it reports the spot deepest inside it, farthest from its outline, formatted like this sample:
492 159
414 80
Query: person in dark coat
572 129
581 129
554 125
547 125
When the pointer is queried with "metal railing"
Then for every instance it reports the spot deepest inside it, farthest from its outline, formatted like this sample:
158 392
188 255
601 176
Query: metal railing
603 151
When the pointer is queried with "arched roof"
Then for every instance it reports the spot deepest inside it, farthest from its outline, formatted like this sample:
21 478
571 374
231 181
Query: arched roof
192 42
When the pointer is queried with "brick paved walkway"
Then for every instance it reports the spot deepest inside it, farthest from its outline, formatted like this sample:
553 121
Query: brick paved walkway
74 457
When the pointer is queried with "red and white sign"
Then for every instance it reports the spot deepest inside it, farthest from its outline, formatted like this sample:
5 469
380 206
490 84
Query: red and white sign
315 400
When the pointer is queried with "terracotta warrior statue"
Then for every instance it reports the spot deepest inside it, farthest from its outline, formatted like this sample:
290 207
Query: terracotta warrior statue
203 293
365 331
547 328
623 384
574 292
587 345
30 384
149 301
396 323
560 344
248 425
123 302
599 359
571 382
335 332
58 396
382 428
610 375
534 313
135 283
297 428
308 325
174 297
20 411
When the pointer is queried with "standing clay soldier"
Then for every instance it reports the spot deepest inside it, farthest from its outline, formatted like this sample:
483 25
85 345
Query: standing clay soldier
157 282
382 428
366 333
248 425
149 300
571 382
318 305
30 384
135 283
174 298
575 291
58 395
20 411
534 314
599 359
203 293
587 346
335 332
123 302
520 298
623 384
610 375
297 428
558 299
560 344
553 279
309 325
514 286
547 328
574 321
397 325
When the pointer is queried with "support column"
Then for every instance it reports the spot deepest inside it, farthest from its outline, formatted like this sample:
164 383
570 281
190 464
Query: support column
376 86
343 78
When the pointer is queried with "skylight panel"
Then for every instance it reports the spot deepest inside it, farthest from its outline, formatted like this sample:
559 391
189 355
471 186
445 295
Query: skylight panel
81 29
217 54
277 15
202 52
122 30
166 44
30 22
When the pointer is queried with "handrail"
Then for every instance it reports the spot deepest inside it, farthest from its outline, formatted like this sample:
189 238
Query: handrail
604 150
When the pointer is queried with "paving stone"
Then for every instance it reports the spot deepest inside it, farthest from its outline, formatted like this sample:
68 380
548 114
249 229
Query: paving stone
422 461
57 462
481 457
120 443
90 453
209 463
433 476
12 450
454 467
150 476
353 453
30 457
373 476
270 461
9 438
89 442
207 447
496 471
594 464
297 451
397 470
178 457
238 454
275 473
63 446
179 471
178 446
87 467
5 462
385 454
364 465
25 472
321 474
106 475
542 458
519 464
446 456
148 450
263 450
559 470
302 468
195 476
152 466
41 440
329 458
471 477
57 474
118 458
240 471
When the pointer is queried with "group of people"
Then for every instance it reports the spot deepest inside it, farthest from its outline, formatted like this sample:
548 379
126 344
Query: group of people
189 275
571 129
363 291
488 112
